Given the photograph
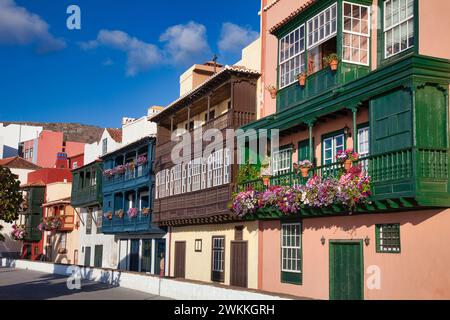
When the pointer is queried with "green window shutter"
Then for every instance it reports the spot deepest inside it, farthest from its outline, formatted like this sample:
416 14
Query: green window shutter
304 150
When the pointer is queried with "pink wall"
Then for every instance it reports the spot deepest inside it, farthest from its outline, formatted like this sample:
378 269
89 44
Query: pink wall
74 148
324 128
420 271
49 144
434 28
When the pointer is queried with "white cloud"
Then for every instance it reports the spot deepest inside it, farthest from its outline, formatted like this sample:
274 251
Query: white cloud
18 26
185 43
140 55
234 38
182 44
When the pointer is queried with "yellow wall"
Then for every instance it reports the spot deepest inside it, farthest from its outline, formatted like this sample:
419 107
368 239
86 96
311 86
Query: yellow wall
198 264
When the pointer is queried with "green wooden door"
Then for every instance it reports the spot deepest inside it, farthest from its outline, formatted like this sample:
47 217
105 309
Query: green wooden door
346 270
304 150
98 256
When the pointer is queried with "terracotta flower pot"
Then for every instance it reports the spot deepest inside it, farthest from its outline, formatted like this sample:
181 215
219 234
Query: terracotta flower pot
304 172
334 65
273 93
348 165
302 80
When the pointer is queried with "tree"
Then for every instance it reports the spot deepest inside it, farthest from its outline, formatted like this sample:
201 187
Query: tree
10 196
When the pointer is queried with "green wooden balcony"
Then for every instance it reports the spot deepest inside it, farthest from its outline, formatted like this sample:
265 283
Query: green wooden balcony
32 212
400 180
87 185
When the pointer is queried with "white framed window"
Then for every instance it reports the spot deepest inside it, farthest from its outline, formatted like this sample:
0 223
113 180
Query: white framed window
204 173
171 185
210 171
323 26
281 161
218 254
184 178
177 179
363 141
291 247
218 168
331 147
292 56
398 26
188 176
364 147
167 191
227 166
157 182
356 26
196 174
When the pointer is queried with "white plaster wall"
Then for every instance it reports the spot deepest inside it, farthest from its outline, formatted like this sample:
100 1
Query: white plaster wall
180 290
94 151
13 134
110 245
137 129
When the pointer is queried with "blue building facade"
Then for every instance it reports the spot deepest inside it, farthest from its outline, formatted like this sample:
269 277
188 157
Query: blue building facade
128 194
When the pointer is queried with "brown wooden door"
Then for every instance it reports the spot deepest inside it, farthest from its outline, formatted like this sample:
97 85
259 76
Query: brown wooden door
239 264
180 259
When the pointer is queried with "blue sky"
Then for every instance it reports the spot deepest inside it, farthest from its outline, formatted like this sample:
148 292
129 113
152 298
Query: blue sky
127 56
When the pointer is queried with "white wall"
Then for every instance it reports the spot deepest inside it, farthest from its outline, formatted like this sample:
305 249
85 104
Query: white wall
181 290
94 151
110 246
137 129
11 135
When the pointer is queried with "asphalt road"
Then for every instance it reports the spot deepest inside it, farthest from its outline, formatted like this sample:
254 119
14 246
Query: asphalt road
16 284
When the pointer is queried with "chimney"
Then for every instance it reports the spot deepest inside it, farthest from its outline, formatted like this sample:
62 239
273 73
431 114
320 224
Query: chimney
62 161
197 74
126 120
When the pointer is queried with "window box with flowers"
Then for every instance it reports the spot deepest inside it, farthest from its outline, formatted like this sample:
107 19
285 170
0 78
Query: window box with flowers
347 190
50 224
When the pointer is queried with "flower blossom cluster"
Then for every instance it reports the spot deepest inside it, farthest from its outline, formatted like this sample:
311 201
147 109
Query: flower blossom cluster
349 189
18 233
50 224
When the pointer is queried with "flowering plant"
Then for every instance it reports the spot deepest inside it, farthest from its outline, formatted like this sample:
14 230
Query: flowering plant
132 213
50 224
348 154
145 211
119 213
129 166
141 160
305 164
108 173
245 203
18 233
348 190
120 169
108 215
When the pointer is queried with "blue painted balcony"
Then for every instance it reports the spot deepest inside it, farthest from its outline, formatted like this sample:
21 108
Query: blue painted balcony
113 224
128 185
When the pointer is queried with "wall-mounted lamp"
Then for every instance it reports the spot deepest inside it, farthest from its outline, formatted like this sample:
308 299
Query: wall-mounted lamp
347 131
322 240
367 241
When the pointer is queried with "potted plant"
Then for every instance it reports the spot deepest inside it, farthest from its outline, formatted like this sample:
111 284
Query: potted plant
119 213
145 211
266 171
18 233
301 77
332 60
108 215
141 160
347 157
305 166
273 91
132 213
